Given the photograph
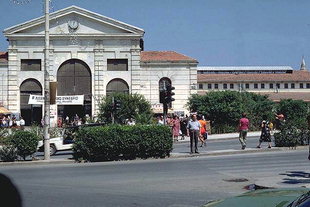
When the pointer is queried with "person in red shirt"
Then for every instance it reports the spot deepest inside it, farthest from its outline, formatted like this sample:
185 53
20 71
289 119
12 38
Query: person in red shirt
203 131
243 130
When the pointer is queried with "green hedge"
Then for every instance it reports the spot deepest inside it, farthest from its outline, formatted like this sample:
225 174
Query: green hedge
291 136
117 142
25 143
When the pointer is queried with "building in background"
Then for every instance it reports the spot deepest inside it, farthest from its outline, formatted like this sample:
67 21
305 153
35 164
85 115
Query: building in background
90 55
278 82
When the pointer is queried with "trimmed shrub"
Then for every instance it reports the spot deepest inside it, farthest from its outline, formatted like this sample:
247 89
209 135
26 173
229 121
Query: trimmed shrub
117 142
8 153
291 136
25 143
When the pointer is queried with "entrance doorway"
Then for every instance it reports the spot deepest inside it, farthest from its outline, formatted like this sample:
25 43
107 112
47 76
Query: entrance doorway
74 78
31 113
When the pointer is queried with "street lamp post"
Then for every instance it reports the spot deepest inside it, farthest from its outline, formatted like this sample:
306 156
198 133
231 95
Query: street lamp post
46 86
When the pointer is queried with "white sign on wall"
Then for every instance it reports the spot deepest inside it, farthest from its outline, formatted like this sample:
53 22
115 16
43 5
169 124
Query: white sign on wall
60 100
34 99
70 100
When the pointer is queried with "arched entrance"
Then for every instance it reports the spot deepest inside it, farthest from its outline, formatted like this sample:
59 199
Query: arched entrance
31 113
117 85
74 78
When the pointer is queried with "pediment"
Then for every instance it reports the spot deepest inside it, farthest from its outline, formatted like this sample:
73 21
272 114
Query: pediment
77 20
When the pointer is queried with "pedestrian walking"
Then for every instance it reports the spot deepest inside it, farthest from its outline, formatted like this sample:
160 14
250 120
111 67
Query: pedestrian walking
175 122
22 123
160 120
193 127
265 132
243 130
183 125
203 131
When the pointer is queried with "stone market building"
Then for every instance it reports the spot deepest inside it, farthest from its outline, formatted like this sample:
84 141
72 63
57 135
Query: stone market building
90 55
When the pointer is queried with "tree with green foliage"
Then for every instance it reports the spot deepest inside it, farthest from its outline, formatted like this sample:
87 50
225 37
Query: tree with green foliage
295 112
131 106
224 108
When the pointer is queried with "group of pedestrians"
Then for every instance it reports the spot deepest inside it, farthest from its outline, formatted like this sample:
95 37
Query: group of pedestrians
266 128
194 127
8 121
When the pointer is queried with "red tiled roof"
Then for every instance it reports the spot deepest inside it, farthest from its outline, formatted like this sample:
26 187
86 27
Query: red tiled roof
164 56
3 57
296 76
276 97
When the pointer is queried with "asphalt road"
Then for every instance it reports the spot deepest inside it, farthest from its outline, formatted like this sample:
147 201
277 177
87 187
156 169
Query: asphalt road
162 182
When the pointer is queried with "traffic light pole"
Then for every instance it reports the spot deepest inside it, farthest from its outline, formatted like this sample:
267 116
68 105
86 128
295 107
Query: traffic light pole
165 107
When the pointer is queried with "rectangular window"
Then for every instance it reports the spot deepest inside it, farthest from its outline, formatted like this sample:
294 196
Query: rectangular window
308 85
247 86
285 85
209 86
255 85
262 85
30 65
270 85
216 86
292 85
225 86
200 86
301 85
117 64
231 86
278 85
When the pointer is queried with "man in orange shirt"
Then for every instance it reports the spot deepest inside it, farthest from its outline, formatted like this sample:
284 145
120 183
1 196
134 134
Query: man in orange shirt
203 131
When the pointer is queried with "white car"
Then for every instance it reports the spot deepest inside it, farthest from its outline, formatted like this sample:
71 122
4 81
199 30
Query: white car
65 141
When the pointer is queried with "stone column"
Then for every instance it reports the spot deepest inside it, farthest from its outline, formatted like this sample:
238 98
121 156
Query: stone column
135 71
99 89
13 88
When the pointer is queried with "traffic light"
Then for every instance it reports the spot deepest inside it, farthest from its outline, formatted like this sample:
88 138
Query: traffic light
169 94
162 96
117 105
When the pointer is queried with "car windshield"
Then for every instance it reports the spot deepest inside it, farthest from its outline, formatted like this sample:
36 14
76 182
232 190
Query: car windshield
302 201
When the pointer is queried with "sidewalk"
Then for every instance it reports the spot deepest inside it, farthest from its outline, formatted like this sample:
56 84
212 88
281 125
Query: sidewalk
226 136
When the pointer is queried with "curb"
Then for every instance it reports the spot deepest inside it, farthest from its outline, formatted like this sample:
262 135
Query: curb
38 162
172 156
253 150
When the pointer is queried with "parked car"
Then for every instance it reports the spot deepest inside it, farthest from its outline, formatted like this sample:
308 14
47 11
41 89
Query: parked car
297 197
66 140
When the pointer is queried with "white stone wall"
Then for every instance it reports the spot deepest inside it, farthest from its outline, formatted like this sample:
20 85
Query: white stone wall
182 76
238 86
4 85
94 53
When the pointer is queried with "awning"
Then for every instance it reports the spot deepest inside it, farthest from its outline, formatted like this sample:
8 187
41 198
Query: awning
4 110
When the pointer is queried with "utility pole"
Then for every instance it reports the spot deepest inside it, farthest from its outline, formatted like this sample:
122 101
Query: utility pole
46 85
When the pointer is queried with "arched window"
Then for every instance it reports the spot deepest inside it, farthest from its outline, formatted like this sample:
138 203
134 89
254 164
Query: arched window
163 83
117 86
30 112
74 78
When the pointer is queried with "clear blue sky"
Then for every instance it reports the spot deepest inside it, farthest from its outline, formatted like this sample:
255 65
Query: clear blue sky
215 32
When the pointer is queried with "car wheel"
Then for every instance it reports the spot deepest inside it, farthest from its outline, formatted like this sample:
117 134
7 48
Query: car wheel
52 149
